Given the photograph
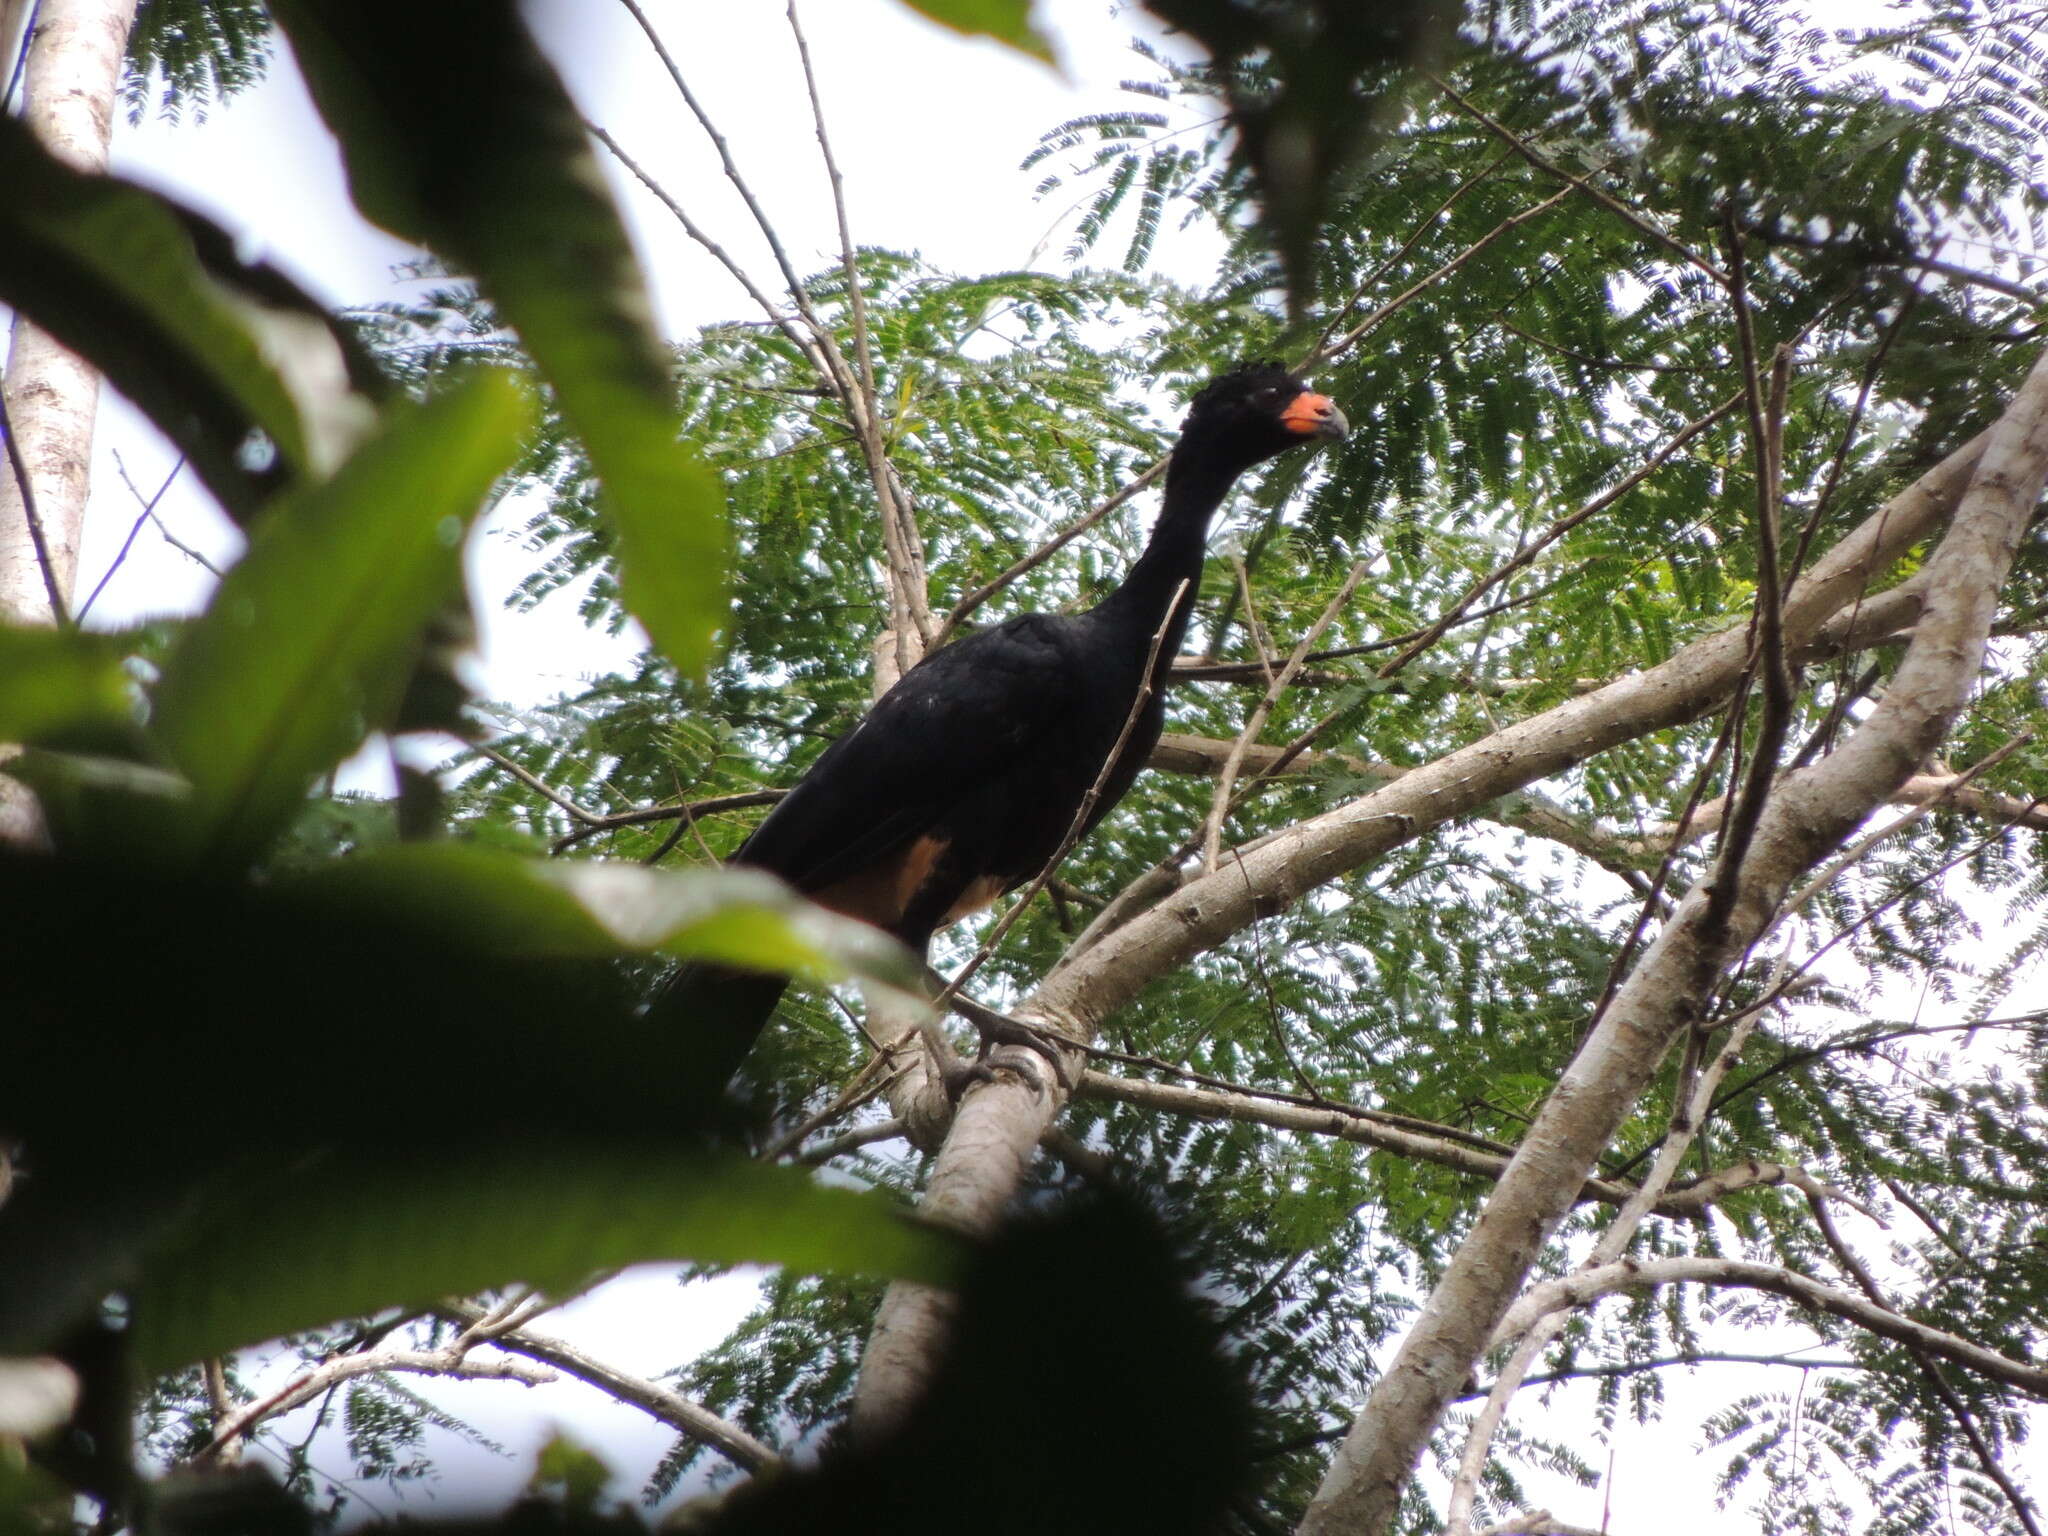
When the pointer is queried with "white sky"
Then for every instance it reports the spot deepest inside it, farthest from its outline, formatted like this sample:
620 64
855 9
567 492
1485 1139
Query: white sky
928 129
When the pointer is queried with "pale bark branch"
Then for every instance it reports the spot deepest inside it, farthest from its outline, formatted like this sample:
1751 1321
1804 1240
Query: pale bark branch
1688 1115
657 1402
70 70
1541 1522
417 1362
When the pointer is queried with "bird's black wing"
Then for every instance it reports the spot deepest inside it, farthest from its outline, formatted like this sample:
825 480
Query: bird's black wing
975 710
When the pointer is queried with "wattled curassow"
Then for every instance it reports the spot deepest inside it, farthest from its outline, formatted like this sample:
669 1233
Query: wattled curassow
965 778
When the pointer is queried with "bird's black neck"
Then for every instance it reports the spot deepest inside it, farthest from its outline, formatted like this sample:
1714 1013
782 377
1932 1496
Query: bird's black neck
1195 488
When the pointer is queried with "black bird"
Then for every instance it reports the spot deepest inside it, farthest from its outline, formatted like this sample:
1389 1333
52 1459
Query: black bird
965 778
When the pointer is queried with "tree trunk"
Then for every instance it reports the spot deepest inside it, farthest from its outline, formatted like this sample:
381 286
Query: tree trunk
71 79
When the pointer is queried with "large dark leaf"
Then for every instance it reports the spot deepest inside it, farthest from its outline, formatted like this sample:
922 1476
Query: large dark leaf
309 641
1309 85
1007 21
355 1230
224 358
287 1104
478 152
599 910
61 684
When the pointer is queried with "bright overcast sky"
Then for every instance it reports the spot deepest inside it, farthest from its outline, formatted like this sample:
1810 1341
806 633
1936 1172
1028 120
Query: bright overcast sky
929 130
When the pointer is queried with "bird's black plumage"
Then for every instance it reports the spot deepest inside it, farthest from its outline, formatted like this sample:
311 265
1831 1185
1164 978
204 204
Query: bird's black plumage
965 778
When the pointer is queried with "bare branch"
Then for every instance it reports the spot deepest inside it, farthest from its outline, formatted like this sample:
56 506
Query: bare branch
2022 1506
910 602
1372 279
541 787
725 159
768 307
1219 803
53 586
690 811
657 1402
819 1152
1045 551
146 515
1323 352
310 1384
1688 1116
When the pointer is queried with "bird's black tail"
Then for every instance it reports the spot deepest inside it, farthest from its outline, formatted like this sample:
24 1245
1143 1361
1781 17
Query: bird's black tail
721 1010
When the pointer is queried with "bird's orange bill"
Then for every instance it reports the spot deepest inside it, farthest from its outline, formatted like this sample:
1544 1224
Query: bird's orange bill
1314 415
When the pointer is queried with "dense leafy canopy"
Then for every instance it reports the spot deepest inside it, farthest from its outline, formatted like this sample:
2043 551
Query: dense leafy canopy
1519 289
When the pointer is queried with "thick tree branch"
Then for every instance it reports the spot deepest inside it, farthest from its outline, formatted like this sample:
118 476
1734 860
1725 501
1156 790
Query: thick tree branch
1687 1116
1364 1128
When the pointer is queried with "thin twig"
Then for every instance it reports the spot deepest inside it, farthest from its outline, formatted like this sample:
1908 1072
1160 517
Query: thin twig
689 813
820 1152
1372 279
540 786
1549 168
163 528
1219 802
725 159
1619 364
148 514
904 545
1045 551
1863 845
1371 322
1930 1368
1524 556
1871 251
678 1413
1420 640
1767 656
780 320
